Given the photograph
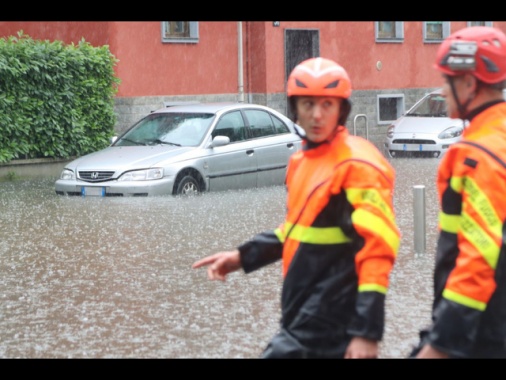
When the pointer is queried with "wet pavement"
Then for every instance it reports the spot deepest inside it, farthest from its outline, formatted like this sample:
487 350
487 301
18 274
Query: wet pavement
112 277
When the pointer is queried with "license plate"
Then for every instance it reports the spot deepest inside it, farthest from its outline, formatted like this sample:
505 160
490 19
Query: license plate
412 147
87 191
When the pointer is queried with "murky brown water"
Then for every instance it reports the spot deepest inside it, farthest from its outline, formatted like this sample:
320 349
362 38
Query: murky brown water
112 277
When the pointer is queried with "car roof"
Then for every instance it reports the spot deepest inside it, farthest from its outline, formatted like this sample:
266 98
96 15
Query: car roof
207 107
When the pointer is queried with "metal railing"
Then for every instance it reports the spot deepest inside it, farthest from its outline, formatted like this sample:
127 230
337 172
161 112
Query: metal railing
366 125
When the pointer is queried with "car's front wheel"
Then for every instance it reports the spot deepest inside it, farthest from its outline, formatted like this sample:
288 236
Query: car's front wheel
188 186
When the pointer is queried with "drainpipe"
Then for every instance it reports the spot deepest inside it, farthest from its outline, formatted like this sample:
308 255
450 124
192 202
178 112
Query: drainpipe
240 62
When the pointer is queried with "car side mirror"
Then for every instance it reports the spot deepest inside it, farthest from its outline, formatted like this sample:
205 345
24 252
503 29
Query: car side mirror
220 141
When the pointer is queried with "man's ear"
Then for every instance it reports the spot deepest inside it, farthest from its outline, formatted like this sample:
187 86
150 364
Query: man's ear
470 82
471 86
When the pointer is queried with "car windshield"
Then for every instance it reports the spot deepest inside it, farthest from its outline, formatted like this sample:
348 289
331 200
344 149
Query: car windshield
432 105
178 129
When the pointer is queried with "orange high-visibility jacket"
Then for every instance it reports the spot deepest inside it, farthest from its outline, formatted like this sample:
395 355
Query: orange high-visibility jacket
338 243
469 309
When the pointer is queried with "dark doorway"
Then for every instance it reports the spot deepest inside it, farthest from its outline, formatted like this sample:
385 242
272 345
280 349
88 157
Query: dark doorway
300 44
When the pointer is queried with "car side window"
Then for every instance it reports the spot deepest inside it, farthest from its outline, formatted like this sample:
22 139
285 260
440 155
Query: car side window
260 123
279 126
232 126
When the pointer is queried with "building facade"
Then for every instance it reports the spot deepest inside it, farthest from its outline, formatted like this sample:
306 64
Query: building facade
389 63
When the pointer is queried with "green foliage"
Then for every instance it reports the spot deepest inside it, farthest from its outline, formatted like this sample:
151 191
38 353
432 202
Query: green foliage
56 100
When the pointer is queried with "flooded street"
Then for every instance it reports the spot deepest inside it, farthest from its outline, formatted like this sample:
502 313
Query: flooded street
112 277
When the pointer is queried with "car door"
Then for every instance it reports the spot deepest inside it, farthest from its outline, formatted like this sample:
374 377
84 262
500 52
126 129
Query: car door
273 146
232 166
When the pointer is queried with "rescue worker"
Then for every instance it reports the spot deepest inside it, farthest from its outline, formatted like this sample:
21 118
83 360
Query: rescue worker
469 306
339 240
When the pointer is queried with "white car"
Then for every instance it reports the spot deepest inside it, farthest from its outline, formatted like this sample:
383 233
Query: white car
189 149
424 130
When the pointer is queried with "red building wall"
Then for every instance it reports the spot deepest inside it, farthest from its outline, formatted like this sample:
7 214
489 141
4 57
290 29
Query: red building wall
148 67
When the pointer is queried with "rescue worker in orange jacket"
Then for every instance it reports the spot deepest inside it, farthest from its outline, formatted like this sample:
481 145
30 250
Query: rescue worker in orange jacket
469 306
339 240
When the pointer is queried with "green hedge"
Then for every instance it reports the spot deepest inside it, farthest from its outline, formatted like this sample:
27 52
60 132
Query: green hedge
56 100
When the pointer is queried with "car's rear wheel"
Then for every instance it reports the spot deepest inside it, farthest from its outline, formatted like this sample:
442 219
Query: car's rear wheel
188 186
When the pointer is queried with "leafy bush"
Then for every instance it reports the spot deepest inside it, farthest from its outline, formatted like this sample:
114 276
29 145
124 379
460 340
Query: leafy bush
56 100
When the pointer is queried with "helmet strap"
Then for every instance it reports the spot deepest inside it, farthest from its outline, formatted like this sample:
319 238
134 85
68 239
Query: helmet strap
461 107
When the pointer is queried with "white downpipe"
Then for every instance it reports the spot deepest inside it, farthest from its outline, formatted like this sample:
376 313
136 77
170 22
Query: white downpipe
240 61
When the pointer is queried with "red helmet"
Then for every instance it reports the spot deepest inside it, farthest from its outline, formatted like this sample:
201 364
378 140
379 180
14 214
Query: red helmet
319 77
478 50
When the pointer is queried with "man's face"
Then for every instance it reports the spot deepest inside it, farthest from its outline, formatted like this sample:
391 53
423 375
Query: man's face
318 116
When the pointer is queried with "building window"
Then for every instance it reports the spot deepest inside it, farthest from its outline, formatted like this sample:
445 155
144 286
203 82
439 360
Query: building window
390 107
479 23
389 31
180 31
435 31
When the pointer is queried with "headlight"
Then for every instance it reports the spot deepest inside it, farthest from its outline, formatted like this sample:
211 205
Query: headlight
142 175
451 133
67 174
390 131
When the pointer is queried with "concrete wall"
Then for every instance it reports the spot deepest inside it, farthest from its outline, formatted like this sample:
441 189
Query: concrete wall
364 102
36 168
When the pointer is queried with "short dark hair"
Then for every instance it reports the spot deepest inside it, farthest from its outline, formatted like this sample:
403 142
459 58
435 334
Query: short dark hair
343 114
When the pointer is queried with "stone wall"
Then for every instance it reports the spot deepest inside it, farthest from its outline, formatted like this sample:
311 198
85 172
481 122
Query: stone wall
35 168
364 104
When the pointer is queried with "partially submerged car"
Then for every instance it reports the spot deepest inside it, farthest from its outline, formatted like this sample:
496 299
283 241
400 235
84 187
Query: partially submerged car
188 149
424 130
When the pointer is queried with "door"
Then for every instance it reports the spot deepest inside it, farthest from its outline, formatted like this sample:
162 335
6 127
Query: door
300 44
232 166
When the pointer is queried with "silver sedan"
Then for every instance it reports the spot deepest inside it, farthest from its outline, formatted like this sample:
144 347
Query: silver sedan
189 149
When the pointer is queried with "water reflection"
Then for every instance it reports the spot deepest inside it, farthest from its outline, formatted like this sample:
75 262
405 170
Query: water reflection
112 277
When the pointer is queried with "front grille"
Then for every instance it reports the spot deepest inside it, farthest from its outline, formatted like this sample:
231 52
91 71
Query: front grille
413 141
95 176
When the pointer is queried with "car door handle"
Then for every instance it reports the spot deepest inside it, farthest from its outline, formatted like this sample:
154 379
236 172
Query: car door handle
250 152
289 145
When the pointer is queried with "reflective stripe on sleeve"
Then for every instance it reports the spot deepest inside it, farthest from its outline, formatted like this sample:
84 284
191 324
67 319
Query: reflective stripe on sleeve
316 235
463 300
449 223
372 288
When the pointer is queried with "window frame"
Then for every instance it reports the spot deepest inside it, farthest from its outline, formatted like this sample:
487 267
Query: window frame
193 31
478 23
445 31
398 27
400 107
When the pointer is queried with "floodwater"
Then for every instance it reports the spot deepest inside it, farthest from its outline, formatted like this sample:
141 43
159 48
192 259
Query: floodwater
112 277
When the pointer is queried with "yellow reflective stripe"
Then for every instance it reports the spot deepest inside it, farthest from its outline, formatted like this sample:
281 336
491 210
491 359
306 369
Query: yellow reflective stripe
372 288
279 233
480 202
449 223
317 235
463 300
372 197
480 239
374 223
456 184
